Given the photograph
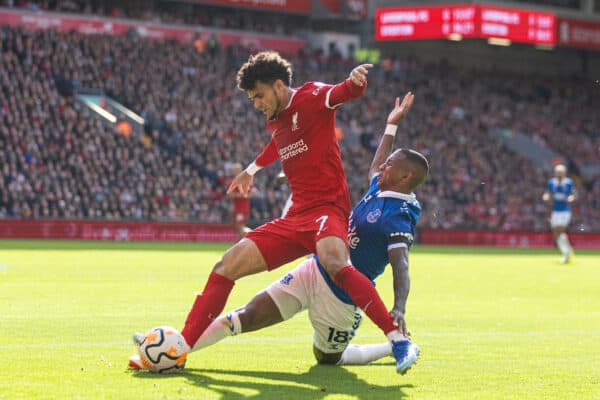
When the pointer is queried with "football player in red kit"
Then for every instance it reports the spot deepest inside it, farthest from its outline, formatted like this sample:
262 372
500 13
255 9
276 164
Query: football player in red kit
302 122
241 206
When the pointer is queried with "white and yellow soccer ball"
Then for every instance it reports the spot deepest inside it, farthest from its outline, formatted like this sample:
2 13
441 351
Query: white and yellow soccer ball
163 350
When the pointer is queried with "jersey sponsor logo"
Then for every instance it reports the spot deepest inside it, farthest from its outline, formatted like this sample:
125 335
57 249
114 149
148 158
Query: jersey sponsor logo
287 279
559 196
292 150
295 122
373 216
353 239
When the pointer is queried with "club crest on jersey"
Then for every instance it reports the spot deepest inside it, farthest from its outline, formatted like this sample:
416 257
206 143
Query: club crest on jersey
295 121
373 216
318 85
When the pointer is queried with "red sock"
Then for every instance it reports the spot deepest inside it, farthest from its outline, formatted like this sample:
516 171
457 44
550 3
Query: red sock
363 294
207 306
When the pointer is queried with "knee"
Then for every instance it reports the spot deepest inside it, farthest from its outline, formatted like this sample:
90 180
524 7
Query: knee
220 269
226 269
333 263
240 260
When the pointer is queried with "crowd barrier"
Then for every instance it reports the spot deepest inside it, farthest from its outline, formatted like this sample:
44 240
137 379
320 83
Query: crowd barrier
117 231
505 239
197 232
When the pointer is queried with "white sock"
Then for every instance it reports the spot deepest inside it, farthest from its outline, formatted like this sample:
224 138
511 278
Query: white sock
563 243
396 336
568 242
226 325
364 354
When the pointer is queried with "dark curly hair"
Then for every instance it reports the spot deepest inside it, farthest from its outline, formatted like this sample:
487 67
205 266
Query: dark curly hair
267 67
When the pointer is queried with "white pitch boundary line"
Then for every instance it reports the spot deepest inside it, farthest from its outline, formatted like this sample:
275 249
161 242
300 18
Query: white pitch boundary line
256 339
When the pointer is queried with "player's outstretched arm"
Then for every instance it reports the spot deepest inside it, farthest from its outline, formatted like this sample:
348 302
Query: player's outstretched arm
385 145
351 88
399 262
242 183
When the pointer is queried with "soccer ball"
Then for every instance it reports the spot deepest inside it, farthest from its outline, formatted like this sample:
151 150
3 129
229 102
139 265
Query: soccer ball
163 350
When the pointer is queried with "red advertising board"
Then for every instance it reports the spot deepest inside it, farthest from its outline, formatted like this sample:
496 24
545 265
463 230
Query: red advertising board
186 231
583 34
291 6
426 22
504 239
435 22
108 26
116 230
518 25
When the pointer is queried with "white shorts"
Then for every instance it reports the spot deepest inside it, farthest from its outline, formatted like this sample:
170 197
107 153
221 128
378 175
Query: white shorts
560 218
334 322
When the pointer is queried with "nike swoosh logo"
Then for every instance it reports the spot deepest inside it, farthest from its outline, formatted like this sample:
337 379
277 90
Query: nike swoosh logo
231 326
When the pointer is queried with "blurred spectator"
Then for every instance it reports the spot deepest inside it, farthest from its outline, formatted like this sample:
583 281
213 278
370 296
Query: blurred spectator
58 160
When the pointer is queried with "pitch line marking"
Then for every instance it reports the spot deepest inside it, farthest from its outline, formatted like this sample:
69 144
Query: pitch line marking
256 339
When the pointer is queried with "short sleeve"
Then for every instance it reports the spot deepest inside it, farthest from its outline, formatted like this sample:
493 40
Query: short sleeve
399 230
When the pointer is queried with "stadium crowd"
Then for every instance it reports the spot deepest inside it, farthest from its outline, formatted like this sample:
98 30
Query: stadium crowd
184 13
60 160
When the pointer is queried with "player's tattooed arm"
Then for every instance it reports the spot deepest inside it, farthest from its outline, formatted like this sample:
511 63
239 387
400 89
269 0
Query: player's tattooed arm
387 141
399 262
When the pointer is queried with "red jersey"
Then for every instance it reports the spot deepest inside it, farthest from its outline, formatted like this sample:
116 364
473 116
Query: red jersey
241 204
304 139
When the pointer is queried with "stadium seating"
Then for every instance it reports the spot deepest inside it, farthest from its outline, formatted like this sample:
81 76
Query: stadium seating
58 160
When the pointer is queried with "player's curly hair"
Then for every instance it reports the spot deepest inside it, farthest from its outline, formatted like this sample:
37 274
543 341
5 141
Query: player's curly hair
267 67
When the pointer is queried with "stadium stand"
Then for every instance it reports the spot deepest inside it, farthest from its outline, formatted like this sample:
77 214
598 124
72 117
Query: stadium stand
59 160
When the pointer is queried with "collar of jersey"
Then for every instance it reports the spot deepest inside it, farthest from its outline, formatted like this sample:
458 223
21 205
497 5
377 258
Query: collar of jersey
397 195
291 98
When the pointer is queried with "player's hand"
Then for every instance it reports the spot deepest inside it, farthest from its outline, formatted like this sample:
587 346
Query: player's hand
241 183
398 320
358 76
546 196
401 109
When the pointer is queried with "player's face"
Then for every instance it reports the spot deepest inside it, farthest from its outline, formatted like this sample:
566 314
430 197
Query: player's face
394 173
267 98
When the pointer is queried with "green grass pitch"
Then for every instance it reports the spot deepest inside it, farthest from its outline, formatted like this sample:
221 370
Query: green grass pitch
492 324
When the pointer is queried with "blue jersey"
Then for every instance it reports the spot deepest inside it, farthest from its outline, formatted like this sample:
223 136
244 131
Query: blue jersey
381 221
560 192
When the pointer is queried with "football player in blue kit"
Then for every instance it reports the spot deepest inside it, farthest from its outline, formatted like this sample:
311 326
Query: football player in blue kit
561 192
381 231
